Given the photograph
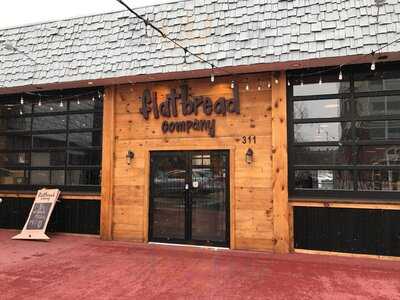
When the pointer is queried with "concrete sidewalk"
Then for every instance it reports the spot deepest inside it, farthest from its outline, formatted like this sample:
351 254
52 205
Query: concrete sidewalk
80 267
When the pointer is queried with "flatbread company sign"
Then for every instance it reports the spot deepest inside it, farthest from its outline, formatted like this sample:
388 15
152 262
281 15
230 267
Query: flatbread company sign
183 102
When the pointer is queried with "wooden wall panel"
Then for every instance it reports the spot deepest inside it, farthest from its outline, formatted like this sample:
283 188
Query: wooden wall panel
280 167
251 199
107 178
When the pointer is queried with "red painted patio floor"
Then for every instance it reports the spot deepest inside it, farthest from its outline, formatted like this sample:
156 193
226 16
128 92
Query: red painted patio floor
81 267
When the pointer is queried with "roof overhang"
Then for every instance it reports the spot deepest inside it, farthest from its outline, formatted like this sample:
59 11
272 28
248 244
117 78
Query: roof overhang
234 70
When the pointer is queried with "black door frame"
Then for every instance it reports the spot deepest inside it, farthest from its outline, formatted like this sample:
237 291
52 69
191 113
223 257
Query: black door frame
188 202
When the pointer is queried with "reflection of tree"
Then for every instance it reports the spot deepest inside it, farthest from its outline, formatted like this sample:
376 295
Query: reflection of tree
300 113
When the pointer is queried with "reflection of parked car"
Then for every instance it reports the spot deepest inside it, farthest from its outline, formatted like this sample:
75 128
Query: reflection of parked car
174 177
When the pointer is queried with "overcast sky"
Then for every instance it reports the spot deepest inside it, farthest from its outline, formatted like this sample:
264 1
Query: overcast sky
19 12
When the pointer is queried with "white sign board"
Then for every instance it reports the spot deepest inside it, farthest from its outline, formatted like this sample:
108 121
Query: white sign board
35 226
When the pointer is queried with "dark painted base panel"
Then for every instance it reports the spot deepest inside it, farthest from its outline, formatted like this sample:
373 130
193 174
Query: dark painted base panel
72 216
363 231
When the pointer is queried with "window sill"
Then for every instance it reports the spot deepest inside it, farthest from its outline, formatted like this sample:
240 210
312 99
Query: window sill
345 203
63 196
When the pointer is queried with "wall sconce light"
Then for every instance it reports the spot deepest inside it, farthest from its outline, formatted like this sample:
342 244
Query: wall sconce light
129 157
249 156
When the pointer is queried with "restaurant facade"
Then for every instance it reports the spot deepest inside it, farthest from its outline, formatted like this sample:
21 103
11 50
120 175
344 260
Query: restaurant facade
277 148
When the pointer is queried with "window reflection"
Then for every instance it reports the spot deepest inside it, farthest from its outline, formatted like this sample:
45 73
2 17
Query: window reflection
15 141
378 106
323 155
34 135
9 176
86 139
375 84
385 155
330 108
324 180
378 130
50 106
322 132
14 159
50 123
379 180
15 124
326 84
14 108
83 177
82 121
55 140
84 157
44 177
47 159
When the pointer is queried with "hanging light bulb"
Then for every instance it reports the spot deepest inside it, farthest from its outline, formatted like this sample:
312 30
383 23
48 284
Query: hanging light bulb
288 82
212 78
93 99
40 102
232 84
320 80
340 75
99 95
22 100
247 85
373 66
78 101
20 112
276 80
259 85
61 103
269 84
301 82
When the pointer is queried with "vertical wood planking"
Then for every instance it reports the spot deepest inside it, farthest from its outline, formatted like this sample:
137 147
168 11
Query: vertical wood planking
251 224
280 167
107 173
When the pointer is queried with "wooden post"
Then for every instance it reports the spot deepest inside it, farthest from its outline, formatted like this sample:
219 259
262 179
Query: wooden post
280 166
107 173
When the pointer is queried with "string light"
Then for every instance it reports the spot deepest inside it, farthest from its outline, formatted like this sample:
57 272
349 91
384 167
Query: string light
373 66
340 74
22 100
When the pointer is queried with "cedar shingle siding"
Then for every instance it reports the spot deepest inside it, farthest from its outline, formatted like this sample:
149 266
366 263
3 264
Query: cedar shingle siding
226 32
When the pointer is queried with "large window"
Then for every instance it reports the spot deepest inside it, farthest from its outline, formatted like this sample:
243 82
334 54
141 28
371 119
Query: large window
52 140
344 135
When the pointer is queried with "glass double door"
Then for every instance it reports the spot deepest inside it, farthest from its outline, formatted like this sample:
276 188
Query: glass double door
189 197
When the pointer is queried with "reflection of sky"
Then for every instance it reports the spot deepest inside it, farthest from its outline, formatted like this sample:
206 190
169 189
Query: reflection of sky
318 132
321 89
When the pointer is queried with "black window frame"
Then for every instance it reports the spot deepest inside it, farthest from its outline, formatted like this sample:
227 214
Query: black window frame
67 97
350 73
